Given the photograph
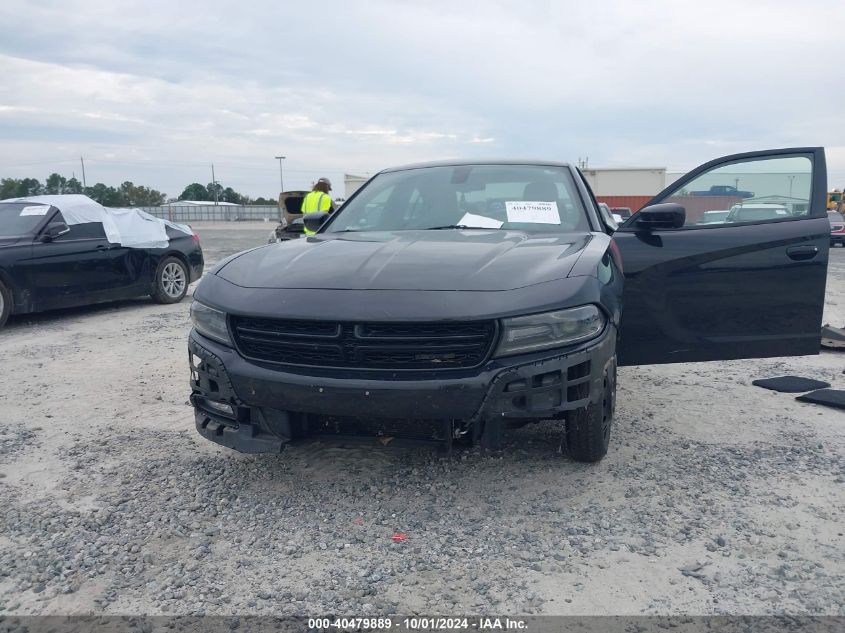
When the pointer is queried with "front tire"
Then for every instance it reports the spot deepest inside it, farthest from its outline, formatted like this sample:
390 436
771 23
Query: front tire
5 304
171 281
587 434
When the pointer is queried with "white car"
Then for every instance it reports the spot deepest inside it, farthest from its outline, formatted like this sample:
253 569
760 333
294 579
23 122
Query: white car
714 217
756 212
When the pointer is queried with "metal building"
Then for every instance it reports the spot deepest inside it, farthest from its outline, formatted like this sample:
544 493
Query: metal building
352 183
624 181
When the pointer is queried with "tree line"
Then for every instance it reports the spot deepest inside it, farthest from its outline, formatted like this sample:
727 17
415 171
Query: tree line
126 195
196 191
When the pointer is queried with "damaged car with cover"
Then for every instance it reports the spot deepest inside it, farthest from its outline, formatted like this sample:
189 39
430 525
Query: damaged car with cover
451 301
62 251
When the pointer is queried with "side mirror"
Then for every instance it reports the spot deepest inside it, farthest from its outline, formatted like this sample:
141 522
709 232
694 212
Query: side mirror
313 221
54 230
297 225
667 215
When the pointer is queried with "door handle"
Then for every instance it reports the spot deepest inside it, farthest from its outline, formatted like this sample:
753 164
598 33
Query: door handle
800 253
103 248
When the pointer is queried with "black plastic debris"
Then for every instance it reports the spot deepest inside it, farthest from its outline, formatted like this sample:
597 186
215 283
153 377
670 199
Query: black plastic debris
833 337
828 397
790 384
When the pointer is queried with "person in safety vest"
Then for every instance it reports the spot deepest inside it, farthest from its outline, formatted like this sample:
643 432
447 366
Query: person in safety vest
318 200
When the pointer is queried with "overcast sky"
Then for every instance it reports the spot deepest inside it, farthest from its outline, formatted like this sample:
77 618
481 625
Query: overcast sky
155 91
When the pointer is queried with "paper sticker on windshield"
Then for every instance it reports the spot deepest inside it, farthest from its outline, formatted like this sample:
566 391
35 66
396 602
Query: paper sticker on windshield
479 221
39 210
534 212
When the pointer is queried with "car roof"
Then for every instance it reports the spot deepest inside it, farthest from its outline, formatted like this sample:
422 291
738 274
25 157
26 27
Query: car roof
473 163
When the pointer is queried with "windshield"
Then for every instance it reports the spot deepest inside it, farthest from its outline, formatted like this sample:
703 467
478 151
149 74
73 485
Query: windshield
520 197
20 218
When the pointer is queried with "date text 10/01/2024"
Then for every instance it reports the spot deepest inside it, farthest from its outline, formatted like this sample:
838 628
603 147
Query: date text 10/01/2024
418 624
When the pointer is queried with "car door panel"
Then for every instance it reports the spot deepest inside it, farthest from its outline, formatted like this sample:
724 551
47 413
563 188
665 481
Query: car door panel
83 267
13 273
64 273
124 268
725 291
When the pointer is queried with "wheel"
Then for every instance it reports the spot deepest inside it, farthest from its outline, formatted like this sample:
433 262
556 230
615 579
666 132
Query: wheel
5 304
588 429
171 281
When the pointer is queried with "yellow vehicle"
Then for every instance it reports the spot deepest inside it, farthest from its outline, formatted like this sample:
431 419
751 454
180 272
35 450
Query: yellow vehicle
835 200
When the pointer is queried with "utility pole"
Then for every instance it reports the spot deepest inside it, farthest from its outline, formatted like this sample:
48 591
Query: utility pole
281 176
84 184
214 184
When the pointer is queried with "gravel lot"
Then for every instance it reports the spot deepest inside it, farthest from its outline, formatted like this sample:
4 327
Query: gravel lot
716 496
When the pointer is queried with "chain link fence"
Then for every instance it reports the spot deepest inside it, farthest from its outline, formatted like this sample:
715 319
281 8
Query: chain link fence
215 213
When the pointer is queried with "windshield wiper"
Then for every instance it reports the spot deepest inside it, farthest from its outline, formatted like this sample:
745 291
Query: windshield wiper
458 226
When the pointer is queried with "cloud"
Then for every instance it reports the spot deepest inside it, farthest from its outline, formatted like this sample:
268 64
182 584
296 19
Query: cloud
375 131
164 89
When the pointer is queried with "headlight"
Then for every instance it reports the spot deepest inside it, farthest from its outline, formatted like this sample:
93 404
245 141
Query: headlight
550 329
210 322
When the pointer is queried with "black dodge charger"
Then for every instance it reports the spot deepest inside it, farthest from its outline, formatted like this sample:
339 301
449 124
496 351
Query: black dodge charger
453 300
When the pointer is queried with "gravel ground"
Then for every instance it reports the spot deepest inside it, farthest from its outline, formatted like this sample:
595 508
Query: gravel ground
716 496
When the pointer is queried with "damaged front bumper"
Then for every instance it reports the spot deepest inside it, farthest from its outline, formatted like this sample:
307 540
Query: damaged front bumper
256 409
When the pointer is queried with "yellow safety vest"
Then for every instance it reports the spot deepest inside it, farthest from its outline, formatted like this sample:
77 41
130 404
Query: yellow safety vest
313 202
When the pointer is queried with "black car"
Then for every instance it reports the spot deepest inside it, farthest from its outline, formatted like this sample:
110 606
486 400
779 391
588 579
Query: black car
453 300
48 261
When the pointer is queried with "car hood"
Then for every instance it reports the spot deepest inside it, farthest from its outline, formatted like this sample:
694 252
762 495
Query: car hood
410 260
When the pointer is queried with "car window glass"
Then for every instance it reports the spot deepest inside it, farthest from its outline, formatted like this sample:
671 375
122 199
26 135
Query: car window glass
749 191
87 230
486 196
373 209
607 216
21 218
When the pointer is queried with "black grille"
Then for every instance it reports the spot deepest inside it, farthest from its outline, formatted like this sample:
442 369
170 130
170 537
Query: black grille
379 427
364 345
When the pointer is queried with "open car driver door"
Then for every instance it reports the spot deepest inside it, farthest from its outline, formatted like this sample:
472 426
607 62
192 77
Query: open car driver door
750 284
